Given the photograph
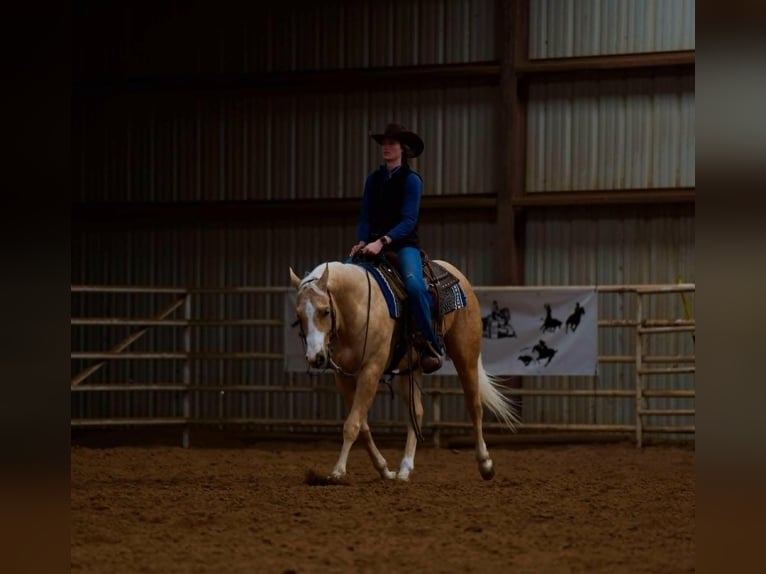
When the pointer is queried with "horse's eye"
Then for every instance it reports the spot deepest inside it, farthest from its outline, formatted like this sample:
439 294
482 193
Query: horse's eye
325 312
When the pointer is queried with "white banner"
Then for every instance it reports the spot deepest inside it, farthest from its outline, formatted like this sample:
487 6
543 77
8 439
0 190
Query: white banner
521 335
539 331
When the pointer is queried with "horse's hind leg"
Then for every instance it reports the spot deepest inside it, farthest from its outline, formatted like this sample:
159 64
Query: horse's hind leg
469 371
408 460
359 403
469 378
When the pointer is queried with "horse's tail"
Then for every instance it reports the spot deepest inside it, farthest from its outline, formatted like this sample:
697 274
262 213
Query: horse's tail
499 404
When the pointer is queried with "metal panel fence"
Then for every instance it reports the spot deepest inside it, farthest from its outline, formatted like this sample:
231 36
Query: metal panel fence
183 383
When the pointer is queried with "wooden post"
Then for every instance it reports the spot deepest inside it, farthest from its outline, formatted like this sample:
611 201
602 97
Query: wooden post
186 371
519 94
513 48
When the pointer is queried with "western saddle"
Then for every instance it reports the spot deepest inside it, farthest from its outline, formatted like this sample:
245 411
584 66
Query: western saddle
441 285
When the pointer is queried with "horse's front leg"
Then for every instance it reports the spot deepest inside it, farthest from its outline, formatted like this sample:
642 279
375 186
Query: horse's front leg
408 460
366 389
346 388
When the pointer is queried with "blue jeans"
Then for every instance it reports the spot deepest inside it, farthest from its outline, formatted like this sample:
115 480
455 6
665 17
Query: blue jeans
411 268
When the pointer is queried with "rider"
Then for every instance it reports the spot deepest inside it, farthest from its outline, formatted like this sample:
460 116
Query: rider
389 221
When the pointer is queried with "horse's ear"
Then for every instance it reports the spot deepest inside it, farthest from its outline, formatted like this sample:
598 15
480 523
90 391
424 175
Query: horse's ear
322 283
294 279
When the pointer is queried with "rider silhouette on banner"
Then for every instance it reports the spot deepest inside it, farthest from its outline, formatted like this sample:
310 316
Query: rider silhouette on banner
497 325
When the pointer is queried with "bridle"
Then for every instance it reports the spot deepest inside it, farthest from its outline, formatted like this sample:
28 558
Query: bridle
334 329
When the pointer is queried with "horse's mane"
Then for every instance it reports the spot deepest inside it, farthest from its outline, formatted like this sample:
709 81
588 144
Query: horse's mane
316 273
313 275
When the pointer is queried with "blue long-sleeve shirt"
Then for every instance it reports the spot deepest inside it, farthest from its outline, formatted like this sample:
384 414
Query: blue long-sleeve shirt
413 191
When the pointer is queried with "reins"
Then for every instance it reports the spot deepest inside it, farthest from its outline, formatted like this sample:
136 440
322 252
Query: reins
333 332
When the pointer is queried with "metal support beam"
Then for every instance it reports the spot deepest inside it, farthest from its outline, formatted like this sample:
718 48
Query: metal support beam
513 44
513 23
610 197
502 207
111 215
602 67
487 73
336 80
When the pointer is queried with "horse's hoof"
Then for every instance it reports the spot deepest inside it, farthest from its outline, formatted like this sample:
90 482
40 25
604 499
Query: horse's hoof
314 479
487 469
388 474
406 468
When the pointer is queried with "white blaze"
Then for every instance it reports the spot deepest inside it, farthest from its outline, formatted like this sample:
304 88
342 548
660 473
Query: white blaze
314 337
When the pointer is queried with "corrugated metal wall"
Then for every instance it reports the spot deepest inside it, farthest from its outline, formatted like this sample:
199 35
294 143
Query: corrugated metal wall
626 245
186 38
191 38
281 147
566 28
616 134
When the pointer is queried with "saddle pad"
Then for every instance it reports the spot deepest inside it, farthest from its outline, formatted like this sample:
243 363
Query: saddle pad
451 295
451 298
394 309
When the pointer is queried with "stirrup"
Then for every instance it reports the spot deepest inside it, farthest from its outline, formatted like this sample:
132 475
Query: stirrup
430 363
430 358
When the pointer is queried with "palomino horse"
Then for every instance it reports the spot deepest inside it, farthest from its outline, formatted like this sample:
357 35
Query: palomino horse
347 327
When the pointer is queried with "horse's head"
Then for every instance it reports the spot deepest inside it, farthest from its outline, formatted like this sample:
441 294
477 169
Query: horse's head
316 316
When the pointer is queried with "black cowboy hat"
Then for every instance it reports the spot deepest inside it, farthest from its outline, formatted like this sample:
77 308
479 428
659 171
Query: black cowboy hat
410 140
